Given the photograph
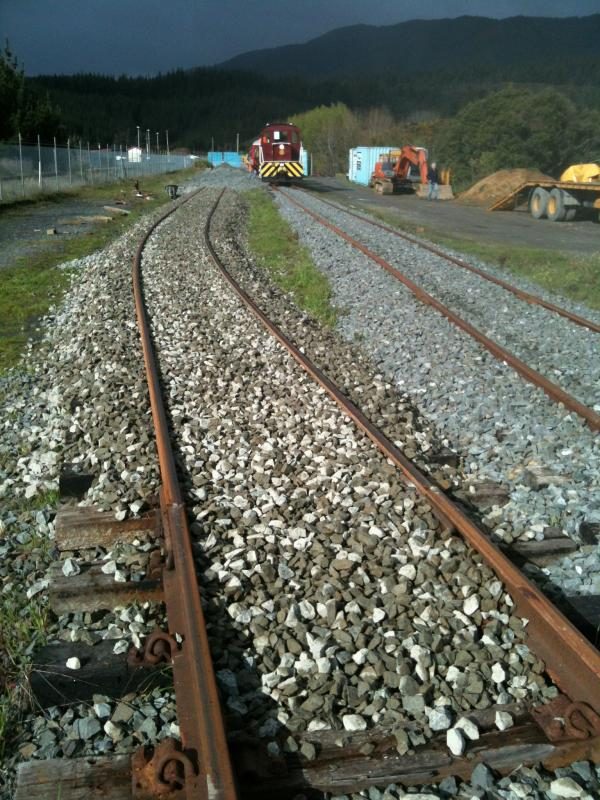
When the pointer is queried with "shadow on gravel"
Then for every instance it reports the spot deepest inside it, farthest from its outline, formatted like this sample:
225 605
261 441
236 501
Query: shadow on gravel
322 188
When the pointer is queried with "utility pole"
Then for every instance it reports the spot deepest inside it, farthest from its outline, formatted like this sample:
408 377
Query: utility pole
237 143
147 141
157 148
138 130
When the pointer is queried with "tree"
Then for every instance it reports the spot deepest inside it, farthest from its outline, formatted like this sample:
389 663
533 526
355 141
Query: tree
11 91
22 108
518 127
328 132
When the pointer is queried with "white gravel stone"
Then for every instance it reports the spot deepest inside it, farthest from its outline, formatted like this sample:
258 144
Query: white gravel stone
102 710
440 719
408 571
354 722
71 567
566 787
503 720
469 728
112 730
456 742
378 615
73 663
471 605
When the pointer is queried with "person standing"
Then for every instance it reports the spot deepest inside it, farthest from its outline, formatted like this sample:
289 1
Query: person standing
433 178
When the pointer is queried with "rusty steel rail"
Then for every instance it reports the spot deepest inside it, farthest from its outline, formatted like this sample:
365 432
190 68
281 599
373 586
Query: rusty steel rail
570 660
202 769
536 378
527 297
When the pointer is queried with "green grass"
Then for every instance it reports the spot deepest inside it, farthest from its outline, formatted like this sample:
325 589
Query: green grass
23 621
33 283
275 246
569 275
23 626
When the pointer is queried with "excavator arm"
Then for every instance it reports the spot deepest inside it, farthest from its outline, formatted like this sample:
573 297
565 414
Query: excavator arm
393 168
415 156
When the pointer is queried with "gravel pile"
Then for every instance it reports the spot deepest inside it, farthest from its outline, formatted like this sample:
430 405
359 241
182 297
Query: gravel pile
506 431
226 177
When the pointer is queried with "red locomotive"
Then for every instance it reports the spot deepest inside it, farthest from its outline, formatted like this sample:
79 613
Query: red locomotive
277 153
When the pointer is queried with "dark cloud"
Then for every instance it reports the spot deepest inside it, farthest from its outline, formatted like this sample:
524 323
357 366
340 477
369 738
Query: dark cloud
148 36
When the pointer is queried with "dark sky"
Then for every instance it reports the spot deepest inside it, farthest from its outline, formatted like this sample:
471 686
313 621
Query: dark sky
143 37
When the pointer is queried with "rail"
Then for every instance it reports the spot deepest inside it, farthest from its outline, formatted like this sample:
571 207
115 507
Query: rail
202 768
527 297
537 379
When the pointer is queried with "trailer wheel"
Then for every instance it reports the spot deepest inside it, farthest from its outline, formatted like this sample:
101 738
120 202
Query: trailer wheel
557 211
538 202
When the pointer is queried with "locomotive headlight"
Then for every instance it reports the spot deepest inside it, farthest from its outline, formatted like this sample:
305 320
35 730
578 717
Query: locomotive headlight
281 148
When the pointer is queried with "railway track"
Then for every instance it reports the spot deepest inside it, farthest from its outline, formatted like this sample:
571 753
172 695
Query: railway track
554 391
558 732
527 297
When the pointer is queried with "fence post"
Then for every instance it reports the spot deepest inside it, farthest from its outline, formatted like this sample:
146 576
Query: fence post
21 164
69 160
39 163
90 164
81 161
55 164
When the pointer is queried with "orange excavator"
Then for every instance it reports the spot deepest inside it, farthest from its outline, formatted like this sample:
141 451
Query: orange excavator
392 171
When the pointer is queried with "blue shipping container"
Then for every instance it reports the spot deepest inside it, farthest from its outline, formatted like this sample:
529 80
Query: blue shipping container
362 160
304 160
217 157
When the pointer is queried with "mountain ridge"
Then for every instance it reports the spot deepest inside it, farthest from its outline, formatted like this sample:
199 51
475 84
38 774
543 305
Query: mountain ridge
418 45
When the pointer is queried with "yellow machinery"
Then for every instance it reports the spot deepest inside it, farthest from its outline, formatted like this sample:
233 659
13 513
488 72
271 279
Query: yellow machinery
577 192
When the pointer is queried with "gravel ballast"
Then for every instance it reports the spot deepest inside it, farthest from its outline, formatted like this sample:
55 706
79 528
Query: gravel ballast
333 597
506 431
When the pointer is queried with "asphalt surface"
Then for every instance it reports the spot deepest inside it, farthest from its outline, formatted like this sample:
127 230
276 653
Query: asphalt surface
466 221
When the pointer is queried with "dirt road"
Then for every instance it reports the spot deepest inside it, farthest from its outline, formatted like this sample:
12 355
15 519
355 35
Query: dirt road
469 222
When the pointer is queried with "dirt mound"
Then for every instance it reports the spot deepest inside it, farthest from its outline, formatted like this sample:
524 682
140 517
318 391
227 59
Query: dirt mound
495 186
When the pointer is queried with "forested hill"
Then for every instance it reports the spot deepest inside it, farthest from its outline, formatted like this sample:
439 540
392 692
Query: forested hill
416 71
421 45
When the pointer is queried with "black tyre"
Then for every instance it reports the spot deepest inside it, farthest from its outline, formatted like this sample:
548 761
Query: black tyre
556 209
538 202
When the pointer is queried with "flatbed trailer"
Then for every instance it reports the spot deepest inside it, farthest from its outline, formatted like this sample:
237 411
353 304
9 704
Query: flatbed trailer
556 200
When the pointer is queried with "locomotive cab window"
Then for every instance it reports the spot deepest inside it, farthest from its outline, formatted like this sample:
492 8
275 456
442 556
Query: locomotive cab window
294 137
280 136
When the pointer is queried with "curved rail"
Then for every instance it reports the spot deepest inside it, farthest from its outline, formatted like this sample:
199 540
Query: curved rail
536 378
572 662
527 297
198 709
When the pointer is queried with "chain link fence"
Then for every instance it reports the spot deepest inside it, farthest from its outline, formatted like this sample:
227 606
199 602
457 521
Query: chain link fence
29 169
